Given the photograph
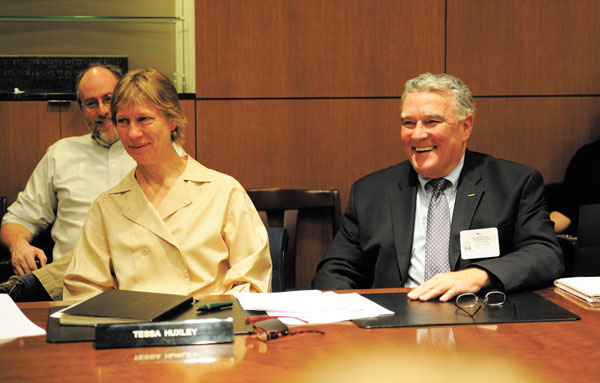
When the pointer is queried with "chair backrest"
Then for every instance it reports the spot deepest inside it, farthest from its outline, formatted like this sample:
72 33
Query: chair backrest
5 265
278 241
554 194
2 207
587 250
281 207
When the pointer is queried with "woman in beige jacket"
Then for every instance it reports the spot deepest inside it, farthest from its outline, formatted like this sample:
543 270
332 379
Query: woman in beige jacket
172 225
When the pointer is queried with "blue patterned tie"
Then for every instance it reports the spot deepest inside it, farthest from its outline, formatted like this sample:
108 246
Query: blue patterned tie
438 230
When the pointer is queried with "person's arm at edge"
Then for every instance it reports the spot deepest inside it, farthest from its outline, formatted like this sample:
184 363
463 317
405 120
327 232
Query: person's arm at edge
32 211
23 255
561 221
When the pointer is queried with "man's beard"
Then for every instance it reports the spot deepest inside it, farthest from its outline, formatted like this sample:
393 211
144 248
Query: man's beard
108 136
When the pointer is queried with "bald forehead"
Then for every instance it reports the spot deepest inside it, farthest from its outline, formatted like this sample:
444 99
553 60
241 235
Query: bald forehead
96 83
97 72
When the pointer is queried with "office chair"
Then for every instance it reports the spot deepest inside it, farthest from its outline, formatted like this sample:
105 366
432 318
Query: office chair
586 261
281 207
5 265
2 207
278 241
554 193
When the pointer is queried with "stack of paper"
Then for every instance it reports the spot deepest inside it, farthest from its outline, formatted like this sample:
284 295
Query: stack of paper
312 306
13 323
586 288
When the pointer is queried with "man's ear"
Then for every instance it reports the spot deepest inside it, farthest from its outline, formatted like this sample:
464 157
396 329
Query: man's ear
467 126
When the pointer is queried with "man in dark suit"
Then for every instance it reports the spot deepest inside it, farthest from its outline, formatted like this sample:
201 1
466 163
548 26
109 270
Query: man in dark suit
498 234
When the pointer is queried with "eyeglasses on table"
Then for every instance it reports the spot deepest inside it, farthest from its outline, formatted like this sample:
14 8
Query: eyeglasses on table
493 298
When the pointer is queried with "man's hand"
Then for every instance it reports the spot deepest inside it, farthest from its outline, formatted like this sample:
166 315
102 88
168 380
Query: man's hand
451 284
24 257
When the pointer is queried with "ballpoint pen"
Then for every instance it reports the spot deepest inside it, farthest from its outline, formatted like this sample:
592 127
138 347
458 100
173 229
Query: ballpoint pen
214 306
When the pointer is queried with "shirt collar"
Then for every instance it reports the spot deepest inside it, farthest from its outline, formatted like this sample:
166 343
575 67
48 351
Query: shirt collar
99 142
452 176
194 171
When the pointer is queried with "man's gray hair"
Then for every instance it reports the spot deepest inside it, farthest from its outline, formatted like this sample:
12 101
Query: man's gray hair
443 82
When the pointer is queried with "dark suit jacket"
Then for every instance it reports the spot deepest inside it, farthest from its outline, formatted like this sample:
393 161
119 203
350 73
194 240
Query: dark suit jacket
373 247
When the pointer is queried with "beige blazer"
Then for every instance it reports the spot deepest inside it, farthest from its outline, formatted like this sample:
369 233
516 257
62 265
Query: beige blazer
205 238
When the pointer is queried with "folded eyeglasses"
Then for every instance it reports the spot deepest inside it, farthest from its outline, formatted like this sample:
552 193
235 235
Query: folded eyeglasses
493 298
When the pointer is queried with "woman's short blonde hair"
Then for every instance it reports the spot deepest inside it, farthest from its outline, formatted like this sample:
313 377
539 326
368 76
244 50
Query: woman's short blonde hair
148 84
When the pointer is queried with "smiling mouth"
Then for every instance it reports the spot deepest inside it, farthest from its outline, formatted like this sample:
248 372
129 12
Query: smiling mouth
424 149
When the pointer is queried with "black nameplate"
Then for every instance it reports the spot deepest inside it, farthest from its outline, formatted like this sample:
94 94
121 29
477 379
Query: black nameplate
194 331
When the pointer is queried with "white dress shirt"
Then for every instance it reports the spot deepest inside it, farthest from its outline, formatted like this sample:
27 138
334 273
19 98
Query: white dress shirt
72 173
416 270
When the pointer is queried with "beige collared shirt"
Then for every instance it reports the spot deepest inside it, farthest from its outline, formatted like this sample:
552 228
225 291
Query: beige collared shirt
205 238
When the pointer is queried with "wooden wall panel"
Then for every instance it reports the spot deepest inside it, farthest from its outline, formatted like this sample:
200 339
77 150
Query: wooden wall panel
189 110
71 120
533 47
543 133
312 144
28 128
299 143
315 48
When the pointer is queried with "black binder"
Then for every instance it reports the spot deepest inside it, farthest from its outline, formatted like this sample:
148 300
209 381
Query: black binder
520 307
122 306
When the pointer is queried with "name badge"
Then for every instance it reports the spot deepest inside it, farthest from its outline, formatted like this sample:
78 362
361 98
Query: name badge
479 243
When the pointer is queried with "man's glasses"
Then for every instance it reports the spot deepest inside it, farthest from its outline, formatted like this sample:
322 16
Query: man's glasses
91 105
494 298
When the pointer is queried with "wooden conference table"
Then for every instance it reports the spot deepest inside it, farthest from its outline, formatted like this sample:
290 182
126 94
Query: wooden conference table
519 352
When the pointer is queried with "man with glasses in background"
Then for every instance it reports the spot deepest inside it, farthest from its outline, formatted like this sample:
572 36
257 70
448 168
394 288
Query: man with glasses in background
448 221
72 173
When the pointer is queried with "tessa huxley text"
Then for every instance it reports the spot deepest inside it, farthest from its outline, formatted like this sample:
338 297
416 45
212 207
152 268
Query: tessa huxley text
169 332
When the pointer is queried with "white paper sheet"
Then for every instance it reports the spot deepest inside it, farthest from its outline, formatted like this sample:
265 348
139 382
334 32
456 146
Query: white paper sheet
13 323
312 306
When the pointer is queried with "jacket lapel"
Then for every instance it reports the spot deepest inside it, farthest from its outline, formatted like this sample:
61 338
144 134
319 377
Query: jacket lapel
468 195
403 205
177 198
138 209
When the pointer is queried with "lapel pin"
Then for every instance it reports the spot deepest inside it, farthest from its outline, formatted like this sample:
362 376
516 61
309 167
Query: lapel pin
471 195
